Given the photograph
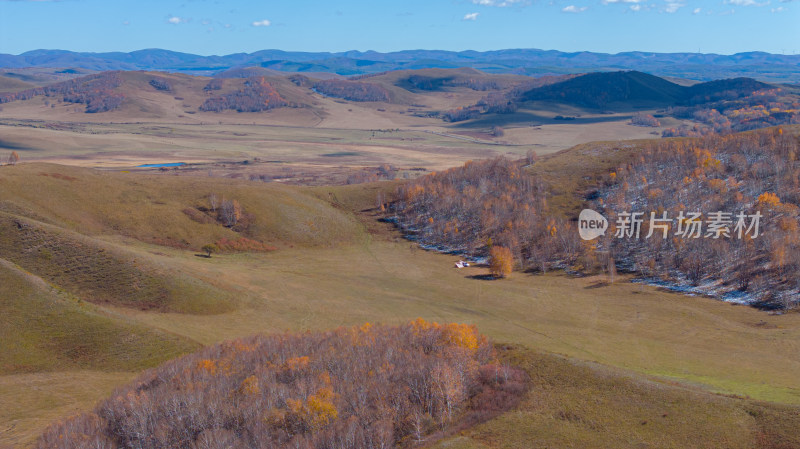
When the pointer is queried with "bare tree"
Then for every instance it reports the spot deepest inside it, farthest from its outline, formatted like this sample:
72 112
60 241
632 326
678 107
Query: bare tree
213 200
230 212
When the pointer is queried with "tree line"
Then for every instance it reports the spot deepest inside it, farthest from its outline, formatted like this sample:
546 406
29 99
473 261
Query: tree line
496 203
95 91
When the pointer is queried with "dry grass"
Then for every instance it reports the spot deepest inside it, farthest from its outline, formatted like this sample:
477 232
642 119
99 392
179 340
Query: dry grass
150 208
722 347
576 405
33 401
336 274
44 329
101 273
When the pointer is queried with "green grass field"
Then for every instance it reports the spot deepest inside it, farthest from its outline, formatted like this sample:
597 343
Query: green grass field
627 353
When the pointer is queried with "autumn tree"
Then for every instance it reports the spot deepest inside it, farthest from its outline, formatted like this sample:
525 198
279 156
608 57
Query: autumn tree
13 158
501 261
209 248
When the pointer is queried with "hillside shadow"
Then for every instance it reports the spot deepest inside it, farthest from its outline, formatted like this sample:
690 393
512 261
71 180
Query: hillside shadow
535 119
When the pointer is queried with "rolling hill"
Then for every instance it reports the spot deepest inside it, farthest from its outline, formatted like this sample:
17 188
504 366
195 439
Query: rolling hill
45 329
170 211
631 88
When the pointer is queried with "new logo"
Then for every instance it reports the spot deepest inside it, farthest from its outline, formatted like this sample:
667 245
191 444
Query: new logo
591 224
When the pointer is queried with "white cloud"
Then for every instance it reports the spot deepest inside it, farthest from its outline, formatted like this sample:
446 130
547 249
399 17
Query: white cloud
176 20
500 3
607 2
635 7
673 7
262 23
778 9
746 3
696 11
574 9
470 16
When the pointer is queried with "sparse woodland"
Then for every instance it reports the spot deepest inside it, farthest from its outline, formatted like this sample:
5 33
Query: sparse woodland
482 204
362 387
732 111
95 91
749 173
256 95
495 203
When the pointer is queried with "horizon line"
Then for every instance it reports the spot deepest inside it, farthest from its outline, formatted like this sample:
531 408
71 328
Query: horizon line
396 51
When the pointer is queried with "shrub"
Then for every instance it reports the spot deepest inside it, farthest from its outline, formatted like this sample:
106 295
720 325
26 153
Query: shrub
209 248
161 84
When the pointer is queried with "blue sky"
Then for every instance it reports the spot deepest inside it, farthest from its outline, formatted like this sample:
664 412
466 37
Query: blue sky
222 27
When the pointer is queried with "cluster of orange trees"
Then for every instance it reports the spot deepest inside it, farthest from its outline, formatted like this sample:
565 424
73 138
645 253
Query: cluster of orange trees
369 386
731 111
256 95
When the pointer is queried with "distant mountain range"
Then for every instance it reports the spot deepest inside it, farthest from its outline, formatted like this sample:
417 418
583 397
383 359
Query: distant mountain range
698 66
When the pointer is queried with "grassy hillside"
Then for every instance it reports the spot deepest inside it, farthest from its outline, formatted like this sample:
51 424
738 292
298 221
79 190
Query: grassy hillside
166 210
101 273
637 89
602 89
11 84
578 405
44 329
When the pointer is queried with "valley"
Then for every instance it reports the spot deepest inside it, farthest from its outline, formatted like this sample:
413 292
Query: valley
296 219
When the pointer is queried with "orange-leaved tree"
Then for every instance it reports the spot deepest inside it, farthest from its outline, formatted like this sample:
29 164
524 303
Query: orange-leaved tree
501 261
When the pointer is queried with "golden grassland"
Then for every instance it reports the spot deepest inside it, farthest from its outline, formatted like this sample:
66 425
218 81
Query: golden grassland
158 126
578 405
633 353
44 329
